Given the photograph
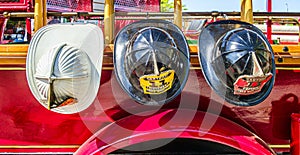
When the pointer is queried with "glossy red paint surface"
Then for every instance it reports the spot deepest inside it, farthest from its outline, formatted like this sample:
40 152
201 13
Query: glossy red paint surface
295 134
24 122
161 125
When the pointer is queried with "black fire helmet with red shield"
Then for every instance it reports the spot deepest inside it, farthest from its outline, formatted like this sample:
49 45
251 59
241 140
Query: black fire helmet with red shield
237 61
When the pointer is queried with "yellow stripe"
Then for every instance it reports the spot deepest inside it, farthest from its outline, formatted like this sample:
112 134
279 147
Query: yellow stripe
285 146
12 69
288 68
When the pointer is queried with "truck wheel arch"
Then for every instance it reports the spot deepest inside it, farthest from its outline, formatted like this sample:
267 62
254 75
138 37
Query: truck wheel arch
130 131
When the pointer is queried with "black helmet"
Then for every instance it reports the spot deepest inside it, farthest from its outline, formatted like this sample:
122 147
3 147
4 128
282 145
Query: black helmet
151 59
237 61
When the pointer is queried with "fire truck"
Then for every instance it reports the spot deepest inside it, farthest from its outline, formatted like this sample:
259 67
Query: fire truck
121 77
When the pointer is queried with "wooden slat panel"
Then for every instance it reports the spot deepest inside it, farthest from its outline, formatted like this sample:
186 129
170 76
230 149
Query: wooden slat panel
12 55
292 48
17 48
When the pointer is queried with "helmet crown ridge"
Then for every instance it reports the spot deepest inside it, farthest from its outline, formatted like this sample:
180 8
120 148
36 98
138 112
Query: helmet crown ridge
257 71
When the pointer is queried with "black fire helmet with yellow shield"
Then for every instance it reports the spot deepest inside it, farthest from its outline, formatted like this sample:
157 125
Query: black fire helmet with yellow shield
151 60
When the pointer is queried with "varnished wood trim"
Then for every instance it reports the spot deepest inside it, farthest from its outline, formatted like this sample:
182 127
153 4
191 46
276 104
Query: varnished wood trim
15 55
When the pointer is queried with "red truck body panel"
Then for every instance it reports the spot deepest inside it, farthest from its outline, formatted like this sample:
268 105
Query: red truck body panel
29 127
